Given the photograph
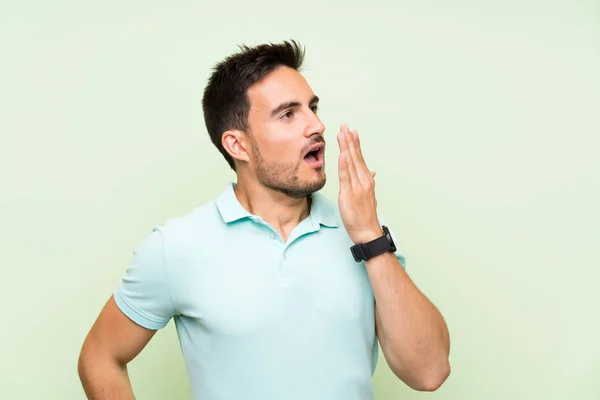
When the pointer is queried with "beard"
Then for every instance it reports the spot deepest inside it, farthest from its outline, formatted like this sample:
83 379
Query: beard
285 177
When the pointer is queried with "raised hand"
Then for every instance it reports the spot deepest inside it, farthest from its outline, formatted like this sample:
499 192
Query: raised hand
357 201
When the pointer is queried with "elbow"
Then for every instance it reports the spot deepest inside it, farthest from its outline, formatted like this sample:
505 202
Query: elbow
83 365
434 378
429 379
89 361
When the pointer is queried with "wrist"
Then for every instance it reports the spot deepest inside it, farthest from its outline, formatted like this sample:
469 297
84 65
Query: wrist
368 235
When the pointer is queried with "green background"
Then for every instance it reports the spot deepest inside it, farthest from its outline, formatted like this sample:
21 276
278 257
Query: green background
482 120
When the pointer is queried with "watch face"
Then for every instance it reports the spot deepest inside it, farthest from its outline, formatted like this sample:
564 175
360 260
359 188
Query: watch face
387 233
388 236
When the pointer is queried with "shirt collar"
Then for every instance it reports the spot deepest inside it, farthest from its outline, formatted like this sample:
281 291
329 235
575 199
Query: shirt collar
322 210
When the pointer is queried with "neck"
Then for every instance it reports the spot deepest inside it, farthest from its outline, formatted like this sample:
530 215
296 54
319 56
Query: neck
280 211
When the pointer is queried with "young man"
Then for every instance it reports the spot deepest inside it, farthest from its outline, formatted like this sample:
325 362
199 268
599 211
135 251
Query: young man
276 292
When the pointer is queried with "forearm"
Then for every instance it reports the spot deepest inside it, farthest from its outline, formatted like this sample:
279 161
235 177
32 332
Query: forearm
105 380
412 332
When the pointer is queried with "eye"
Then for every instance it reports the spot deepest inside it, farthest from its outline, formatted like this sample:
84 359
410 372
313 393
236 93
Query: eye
287 115
315 108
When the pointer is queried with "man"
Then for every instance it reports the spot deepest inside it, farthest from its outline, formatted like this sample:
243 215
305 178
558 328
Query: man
276 292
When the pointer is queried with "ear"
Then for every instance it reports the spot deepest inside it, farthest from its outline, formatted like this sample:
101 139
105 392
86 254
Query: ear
236 143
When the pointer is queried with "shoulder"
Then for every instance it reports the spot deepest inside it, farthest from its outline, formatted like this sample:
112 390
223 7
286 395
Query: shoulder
180 230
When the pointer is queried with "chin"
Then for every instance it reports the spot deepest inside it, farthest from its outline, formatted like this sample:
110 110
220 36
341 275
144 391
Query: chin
305 187
318 183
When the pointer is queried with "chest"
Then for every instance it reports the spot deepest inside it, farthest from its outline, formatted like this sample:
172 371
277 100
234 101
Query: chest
265 285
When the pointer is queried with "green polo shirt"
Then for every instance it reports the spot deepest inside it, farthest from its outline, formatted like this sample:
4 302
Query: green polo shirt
258 318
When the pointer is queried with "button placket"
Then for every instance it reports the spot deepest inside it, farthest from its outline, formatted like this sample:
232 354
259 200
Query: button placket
286 271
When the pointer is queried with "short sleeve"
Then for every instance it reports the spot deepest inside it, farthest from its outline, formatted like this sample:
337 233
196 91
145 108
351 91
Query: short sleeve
399 255
144 293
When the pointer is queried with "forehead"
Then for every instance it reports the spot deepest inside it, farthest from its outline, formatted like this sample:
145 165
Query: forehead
281 85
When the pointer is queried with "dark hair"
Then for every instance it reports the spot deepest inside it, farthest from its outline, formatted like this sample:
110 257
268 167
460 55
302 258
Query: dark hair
225 102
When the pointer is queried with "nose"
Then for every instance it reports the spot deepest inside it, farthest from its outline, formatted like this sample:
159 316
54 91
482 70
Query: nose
314 125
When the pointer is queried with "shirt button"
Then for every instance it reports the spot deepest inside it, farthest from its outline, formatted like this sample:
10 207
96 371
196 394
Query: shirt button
272 236
285 256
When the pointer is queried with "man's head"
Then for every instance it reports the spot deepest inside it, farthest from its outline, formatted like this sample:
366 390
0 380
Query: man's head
261 114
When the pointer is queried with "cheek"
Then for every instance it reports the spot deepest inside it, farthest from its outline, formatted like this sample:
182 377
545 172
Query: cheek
283 151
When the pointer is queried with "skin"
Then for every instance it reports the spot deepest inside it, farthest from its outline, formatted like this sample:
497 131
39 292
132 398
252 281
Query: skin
273 179
412 332
113 341
273 182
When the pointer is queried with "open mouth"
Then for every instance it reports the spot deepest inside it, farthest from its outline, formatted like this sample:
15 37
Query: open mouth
315 156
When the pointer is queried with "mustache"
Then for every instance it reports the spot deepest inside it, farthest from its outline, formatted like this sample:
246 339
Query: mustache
320 139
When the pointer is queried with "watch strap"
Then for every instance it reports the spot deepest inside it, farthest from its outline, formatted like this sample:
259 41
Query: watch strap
380 245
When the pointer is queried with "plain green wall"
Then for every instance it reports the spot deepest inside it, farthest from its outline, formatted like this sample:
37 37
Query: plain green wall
482 122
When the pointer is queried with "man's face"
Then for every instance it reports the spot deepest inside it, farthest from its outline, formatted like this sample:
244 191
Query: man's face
284 127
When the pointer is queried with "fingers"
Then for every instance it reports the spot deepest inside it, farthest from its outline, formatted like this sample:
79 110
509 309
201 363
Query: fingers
346 163
350 145
345 180
344 173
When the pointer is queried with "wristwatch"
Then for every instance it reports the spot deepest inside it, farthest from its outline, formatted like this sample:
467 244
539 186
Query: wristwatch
366 251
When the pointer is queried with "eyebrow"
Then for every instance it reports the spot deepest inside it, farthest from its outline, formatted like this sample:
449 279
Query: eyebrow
291 104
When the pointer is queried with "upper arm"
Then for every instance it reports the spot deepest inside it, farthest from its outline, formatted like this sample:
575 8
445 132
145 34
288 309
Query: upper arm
141 304
115 337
